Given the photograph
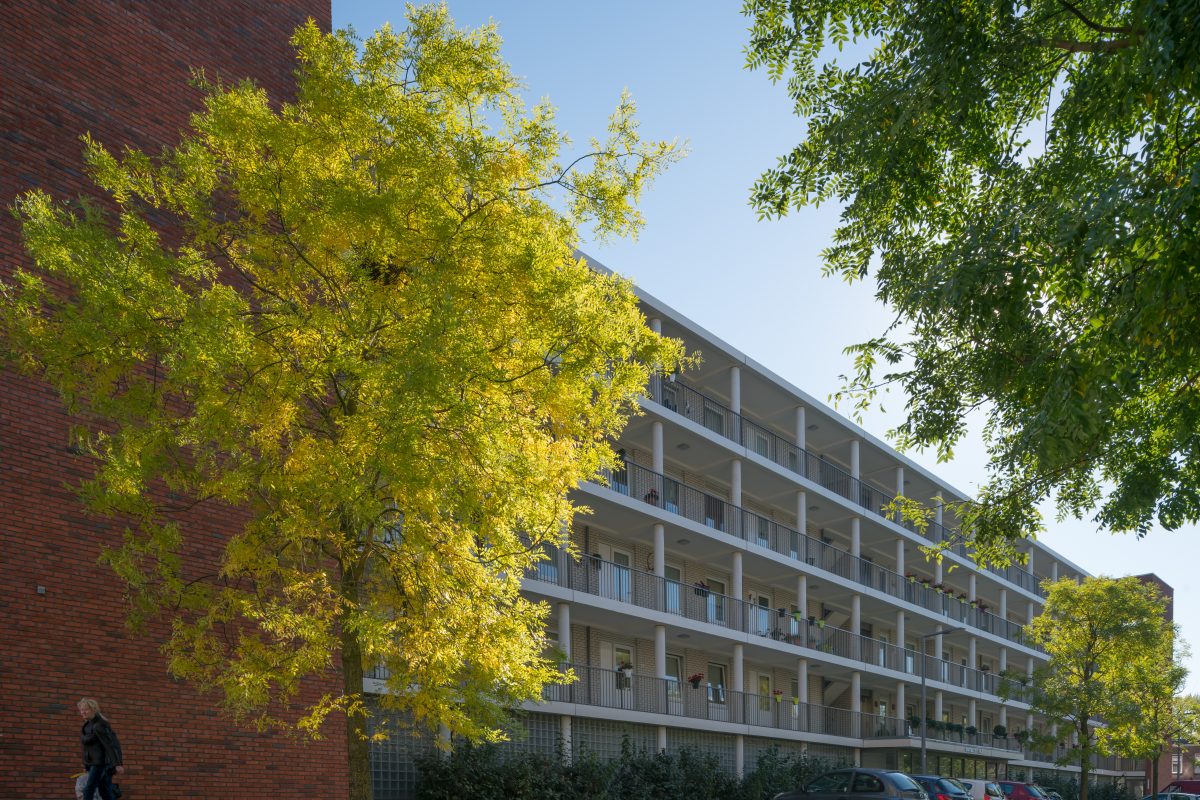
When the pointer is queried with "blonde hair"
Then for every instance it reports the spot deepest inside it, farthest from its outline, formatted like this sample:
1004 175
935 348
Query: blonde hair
92 705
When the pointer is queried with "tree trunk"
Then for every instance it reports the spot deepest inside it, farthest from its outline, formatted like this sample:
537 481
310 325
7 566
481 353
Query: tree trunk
1085 764
358 749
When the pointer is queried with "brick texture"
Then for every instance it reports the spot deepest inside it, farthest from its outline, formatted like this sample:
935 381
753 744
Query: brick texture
119 69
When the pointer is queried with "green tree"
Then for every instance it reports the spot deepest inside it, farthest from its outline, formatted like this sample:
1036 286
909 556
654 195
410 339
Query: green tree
1162 717
1019 178
358 319
1100 637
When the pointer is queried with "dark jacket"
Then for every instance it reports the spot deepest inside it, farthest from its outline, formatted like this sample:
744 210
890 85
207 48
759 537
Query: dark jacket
100 743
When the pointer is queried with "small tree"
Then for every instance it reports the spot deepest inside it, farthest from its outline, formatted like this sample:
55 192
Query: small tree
1098 636
357 318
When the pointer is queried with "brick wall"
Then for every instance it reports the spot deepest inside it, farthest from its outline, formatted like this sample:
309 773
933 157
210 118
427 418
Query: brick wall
119 69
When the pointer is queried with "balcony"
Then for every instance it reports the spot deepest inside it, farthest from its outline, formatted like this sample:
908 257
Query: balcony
694 504
595 576
677 396
607 688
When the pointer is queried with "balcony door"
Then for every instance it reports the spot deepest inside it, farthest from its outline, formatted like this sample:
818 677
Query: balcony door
616 683
674 678
616 577
760 614
673 589
716 601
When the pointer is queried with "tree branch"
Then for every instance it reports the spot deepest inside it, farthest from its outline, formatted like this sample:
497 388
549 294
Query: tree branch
1123 30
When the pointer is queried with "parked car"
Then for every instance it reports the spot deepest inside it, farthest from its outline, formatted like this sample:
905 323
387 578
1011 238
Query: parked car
1170 796
939 788
1191 787
981 789
858 784
1015 790
1053 795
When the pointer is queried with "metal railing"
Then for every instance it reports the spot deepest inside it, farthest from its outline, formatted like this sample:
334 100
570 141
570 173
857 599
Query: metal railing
624 584
625 689
677 497
675 395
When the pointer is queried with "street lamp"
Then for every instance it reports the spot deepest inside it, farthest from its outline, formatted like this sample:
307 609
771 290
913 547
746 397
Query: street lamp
938 632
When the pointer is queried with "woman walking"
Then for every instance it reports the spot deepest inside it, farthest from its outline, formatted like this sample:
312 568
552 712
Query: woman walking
101 751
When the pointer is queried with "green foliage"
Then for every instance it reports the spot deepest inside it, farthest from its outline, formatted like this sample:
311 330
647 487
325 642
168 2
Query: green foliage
357 319
1102 637
487 772
1020 178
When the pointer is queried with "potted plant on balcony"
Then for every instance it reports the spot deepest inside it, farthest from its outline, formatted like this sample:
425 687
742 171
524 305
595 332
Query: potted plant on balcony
695 678
701 589
777 694
1000 732
1022 737
625 668
971 730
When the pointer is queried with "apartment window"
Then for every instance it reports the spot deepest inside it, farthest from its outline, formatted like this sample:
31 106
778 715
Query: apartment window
673 589
670 395
714 417
716 683
716 601
674 673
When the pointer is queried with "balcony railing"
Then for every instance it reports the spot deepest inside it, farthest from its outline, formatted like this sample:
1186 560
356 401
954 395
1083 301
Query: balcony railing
697 505
611 688
596 576
677 396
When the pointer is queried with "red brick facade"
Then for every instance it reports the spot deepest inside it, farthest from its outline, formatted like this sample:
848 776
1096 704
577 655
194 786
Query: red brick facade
119 69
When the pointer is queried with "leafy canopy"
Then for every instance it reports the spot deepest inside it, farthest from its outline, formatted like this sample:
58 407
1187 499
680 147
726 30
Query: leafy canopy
1104 638
357 320
1020 178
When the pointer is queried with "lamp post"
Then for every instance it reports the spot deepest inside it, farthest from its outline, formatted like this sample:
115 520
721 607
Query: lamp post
923 638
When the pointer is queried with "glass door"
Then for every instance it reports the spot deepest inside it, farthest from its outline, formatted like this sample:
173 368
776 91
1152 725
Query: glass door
673 589
716 601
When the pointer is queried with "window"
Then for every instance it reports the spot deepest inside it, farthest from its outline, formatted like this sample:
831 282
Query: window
764 692
714 417
716 601
674 671
716 683
832 783
865 782
673 589
670 395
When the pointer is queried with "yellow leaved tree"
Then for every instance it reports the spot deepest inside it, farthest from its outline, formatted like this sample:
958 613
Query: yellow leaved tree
357 317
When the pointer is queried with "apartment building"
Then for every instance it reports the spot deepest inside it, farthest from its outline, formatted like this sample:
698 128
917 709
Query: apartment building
743 586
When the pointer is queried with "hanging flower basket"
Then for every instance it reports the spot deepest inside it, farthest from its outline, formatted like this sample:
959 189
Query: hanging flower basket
695 679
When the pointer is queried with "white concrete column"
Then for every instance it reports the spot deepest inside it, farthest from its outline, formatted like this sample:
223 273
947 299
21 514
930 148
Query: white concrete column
735 581
656 446
735 389
660 549
1003 717
735 482
662 738
900 557
802 597
1030 612
972 712
901 699
443 736
660 651
856 703
802 513
739 683
854 467
937 572
1003 659
898 517
1029 722
1029 562
1054 570
739 756
802 679
855 537
564 732
938 705
801 431
972 656
900 631
856 614
1029 667
937 649
1004 604
564 629
971 596
938 508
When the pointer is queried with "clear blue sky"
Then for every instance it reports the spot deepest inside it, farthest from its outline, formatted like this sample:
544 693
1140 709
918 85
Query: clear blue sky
757 285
